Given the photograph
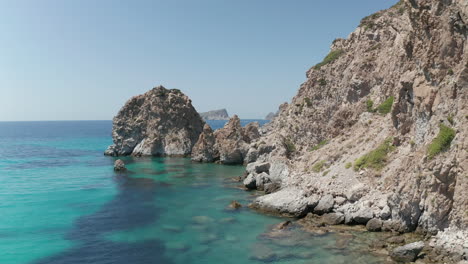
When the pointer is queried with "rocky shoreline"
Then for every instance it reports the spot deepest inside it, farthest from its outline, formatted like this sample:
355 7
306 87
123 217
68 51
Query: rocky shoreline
376 136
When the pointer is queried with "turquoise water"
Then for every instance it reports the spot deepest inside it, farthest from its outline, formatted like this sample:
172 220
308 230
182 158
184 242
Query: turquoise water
61 202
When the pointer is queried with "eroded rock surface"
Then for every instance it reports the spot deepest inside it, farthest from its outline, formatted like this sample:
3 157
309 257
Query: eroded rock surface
160 122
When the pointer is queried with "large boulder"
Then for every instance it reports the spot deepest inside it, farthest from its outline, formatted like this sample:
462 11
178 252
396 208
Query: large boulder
230 142
289 201
325 205
407 253
160 122
204 150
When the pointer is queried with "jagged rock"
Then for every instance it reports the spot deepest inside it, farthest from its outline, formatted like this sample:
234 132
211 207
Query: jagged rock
232 141
220 114
204 150
374 225
119 165
407 253
333 219
158 123
325 204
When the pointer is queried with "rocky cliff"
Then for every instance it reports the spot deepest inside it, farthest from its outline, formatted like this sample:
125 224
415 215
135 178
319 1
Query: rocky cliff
220 114
379 128
158 123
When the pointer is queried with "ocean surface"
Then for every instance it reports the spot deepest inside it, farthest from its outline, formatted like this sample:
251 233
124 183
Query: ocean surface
61 202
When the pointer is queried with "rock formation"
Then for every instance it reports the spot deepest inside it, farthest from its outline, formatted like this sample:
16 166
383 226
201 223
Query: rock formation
379 128
158 123
220 114
228 145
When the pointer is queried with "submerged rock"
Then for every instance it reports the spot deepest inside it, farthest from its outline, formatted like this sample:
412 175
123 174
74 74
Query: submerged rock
235 205
407 253
158 123
119 165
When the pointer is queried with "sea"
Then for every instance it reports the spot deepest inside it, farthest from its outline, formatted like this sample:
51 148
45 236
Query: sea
62 202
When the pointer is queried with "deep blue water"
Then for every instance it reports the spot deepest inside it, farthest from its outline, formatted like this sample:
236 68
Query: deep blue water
61 202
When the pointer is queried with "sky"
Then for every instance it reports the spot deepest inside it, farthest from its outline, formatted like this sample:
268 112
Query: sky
82 60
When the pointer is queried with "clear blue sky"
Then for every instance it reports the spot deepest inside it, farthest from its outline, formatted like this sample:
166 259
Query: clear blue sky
81 60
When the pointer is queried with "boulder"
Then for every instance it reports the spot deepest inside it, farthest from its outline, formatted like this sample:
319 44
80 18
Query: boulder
408 252
325 204
374 225
160 122
333 219
119 165
250 182
362 216
289 201
203 150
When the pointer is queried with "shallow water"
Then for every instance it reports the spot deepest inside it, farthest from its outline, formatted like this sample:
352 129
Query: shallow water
61 202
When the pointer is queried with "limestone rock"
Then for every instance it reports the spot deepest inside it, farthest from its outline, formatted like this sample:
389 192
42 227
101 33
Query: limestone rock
119 165
333 219
160 122
325 205
374 225
203 150
290 202
407 253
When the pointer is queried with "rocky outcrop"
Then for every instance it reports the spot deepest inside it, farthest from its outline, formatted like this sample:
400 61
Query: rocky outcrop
220 114
158 123
228 145
119 165
364 125
204 150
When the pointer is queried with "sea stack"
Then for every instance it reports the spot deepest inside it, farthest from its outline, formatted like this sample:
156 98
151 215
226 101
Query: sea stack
161 122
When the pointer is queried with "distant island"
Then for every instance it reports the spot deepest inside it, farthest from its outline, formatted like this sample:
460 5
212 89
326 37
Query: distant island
220 114
270 116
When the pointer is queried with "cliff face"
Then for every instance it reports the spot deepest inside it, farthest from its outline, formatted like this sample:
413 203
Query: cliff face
220 114
158 123
381 124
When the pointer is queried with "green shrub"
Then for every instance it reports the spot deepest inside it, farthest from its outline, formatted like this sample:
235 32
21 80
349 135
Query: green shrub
289 145
369 105
308 102
368 21
322 82
319 145
375 159
450 72
325 173
450 119
348 165
318 166
386 106
332 56
441 142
